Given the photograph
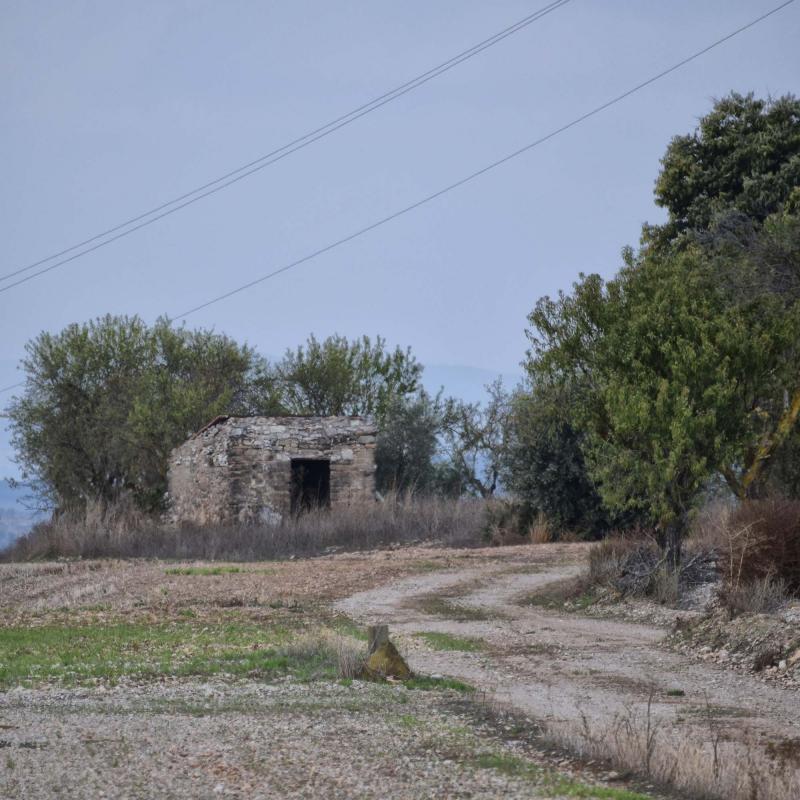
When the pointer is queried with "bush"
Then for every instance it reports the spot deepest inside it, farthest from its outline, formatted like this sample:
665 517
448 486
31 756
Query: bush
512 522
121 531
635 566
762 543
544 466
502 523
625 562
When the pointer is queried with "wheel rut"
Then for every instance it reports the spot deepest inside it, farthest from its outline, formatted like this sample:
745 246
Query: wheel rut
572 672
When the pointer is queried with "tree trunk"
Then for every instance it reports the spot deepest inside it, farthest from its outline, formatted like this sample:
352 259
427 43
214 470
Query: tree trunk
770 445
672 545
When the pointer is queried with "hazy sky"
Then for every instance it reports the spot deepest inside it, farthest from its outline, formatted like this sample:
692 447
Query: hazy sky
109 108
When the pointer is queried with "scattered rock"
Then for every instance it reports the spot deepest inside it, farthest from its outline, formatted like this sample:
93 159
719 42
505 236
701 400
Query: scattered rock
759 643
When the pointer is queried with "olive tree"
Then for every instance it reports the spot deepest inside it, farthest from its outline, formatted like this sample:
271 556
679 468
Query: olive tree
104 403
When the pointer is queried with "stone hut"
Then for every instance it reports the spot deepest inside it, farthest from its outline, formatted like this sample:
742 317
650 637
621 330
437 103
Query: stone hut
251 469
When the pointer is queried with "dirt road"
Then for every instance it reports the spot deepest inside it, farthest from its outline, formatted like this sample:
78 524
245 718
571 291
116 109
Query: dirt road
96 700
607 687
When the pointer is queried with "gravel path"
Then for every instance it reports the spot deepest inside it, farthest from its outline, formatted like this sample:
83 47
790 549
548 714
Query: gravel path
584 677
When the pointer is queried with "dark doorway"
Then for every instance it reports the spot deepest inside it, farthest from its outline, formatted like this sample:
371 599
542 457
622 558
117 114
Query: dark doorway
311 484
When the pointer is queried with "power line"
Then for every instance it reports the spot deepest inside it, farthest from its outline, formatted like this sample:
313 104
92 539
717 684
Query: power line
472 176
234 176
13 386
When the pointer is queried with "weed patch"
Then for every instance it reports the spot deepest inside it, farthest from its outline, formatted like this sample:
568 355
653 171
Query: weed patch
576 789
509 765
119 532
516 767
572 593
203 571
444 607
427 683
346 627
447 641
89 654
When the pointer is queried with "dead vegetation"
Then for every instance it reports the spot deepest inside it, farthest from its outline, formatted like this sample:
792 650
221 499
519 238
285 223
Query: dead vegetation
762 546
751 553
121 531
510 522
723 767
326 646
633 565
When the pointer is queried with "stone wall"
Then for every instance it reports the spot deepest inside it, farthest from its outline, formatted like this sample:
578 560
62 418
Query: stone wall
238 469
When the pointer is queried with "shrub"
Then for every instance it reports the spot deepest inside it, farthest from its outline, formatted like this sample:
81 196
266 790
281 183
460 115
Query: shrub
344 653
506 522
544 465
513 522
758 596
762 543
634 565
625 562
541 531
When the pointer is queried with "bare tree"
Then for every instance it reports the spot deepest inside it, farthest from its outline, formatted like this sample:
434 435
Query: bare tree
475 439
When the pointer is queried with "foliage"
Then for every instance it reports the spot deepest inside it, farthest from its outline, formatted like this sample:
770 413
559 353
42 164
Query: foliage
407 444
106 401
682 377
337 376
762 543
544 467
744 156
686 364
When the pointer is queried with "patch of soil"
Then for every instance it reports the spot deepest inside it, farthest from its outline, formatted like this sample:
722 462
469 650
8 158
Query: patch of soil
38 593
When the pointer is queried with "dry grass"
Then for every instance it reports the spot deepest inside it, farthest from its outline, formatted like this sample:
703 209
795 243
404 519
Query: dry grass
122 532
609 559
634 565
720 769
758 547
511 522
346 652
665 586
541 531
758 596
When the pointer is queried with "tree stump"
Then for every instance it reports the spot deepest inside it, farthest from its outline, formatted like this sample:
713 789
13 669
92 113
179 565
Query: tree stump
383 659
378 635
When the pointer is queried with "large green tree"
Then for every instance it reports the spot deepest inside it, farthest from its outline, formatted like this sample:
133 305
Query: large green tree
338 376
687 363
686 369
106 401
